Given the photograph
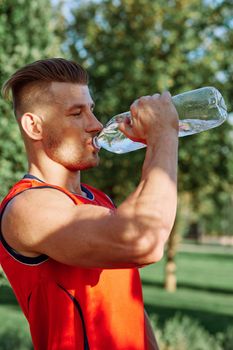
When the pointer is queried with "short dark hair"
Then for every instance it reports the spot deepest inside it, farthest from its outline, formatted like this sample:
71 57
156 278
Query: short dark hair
38 75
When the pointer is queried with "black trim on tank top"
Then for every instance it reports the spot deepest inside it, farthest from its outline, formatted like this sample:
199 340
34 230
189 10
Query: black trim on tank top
29 176
28 260
89 194
77 305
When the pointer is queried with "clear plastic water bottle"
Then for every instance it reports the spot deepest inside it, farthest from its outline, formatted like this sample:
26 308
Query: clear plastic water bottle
198 110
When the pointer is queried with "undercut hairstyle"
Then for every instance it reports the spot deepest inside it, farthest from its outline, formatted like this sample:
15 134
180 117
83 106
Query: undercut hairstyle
29 86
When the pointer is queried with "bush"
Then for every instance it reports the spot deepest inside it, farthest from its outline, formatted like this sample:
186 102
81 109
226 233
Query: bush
3 279
14 332
184 333
226 339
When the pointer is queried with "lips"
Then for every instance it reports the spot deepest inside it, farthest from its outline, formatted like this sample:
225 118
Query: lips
94 144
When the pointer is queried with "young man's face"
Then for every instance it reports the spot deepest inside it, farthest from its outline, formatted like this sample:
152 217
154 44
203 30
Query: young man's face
69 127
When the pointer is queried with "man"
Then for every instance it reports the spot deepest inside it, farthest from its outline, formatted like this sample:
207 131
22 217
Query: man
71 257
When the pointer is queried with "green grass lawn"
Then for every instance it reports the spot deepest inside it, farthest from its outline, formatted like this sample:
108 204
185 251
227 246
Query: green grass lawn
205 288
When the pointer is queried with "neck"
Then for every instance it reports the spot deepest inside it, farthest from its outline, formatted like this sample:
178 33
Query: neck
59 176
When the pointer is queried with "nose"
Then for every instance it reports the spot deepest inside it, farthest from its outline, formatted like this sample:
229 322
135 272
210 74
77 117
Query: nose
93 124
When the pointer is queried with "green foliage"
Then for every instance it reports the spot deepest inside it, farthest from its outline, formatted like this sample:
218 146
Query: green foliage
226 338
28 31
134 48
14 332
3 279
184 333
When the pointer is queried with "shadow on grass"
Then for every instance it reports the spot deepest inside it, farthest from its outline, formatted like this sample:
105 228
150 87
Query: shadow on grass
186 285
207 255
212 322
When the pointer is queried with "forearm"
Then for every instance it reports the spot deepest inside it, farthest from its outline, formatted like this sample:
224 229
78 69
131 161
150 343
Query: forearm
151 208
159 177
156 194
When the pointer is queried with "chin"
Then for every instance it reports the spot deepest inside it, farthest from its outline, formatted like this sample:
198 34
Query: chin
84 165
92 164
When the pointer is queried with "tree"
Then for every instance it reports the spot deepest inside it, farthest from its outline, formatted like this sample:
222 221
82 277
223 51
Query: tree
132 48
28 32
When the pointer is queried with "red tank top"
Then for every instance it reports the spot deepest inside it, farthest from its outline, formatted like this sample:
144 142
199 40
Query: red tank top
73 308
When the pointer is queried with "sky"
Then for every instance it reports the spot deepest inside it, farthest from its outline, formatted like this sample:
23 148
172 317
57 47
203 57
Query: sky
68 4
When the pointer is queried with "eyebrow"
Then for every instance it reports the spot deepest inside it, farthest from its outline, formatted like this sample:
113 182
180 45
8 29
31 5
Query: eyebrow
79 105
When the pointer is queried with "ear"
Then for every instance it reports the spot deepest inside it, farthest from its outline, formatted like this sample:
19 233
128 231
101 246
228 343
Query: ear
32 126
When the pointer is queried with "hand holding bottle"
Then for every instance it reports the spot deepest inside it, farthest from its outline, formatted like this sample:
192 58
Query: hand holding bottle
199 110
151 117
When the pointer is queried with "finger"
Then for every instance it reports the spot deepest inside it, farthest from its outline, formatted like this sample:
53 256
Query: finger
141 100
126 129
166 96
157 95
134 108
145 97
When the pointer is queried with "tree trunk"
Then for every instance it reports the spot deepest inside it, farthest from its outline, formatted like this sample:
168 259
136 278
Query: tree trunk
170 268
195 232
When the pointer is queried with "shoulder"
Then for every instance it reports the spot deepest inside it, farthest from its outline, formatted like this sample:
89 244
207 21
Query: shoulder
32 205
30 213
36 197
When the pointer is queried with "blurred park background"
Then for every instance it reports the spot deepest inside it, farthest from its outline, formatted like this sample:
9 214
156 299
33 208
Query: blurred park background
132 48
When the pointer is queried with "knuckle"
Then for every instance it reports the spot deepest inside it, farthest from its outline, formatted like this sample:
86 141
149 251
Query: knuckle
143 100
133 108
157 95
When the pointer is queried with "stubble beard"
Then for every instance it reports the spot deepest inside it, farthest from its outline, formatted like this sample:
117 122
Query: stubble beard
69 156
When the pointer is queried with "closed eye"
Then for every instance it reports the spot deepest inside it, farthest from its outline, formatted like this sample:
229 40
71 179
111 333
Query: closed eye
77 113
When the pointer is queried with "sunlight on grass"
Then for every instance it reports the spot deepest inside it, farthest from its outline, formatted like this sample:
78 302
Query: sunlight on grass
204 289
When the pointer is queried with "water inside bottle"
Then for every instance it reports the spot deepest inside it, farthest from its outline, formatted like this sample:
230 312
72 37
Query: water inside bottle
194 126
115 141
